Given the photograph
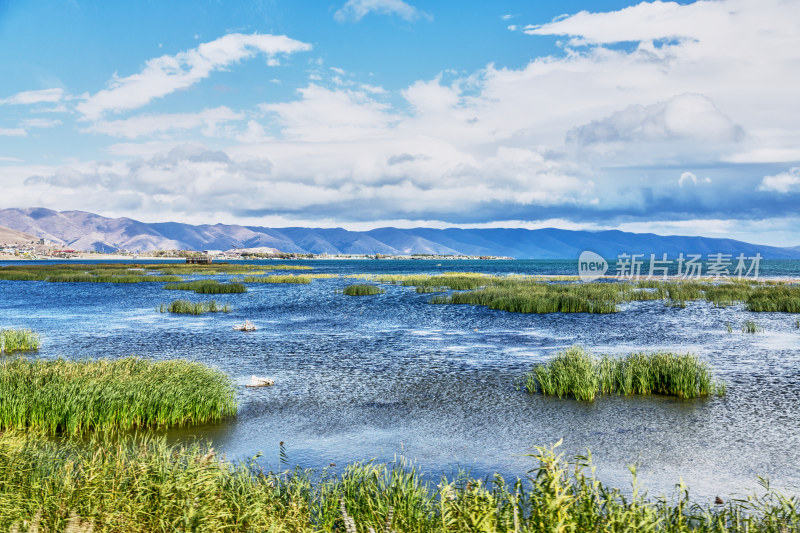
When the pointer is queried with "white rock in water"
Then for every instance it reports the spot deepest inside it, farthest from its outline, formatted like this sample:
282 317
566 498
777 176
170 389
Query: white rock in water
256 381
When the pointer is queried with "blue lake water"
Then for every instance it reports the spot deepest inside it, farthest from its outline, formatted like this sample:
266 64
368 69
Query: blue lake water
380 376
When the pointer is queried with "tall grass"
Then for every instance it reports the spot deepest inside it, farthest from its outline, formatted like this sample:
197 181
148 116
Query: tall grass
526 294
536 297
277 278
107 278
18 340
577 373
453 280
77 396
207 287
81 273
142 484
781 298
362 290
15 275
750 326
194 308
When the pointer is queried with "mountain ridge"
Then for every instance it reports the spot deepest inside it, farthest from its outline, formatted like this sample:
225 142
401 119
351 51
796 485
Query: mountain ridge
91 232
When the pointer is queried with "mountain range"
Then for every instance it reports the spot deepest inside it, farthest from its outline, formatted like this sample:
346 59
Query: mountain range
87 231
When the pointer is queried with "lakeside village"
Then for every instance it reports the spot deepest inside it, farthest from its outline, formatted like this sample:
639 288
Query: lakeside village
43 249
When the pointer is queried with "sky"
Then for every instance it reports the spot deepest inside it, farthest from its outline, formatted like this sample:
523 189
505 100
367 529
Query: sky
664 117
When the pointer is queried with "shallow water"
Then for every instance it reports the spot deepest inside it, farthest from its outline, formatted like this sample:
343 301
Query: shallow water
378 376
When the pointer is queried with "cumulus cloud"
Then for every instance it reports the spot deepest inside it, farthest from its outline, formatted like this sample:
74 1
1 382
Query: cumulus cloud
49 96
784 183
169 73
355 10
686 116
685 127
142 125
174 180
328 114
270 179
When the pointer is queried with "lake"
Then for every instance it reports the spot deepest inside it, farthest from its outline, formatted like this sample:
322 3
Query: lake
358 378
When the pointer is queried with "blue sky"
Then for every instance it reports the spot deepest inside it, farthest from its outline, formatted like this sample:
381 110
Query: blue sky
671 117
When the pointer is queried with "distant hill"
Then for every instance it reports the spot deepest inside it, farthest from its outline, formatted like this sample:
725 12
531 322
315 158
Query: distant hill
10 236
88 231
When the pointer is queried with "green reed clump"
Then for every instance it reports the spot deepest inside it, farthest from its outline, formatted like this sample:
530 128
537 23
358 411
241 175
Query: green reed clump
751 327
569 373
207 287
18 340
678 293
106 278
456 281
723 295
277 278
187 307
77 396
529 296
142 484
15 275
362 290
83 273
783 298
575 372
644 290
428 290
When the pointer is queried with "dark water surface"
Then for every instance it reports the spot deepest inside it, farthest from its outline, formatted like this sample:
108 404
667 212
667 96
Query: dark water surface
378 376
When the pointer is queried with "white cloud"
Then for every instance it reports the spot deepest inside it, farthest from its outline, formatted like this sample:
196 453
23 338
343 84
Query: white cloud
254 133
643 22
783 183
687 127
35 97
686 116
142 125
13 132
691 177
357 9
687 176
40 123
167 74
327 114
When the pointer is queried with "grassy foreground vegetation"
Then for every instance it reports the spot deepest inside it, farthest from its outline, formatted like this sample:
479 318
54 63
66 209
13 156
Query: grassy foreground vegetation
18 340
142 484
210 286
186 307
577 373
72 397
362 289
